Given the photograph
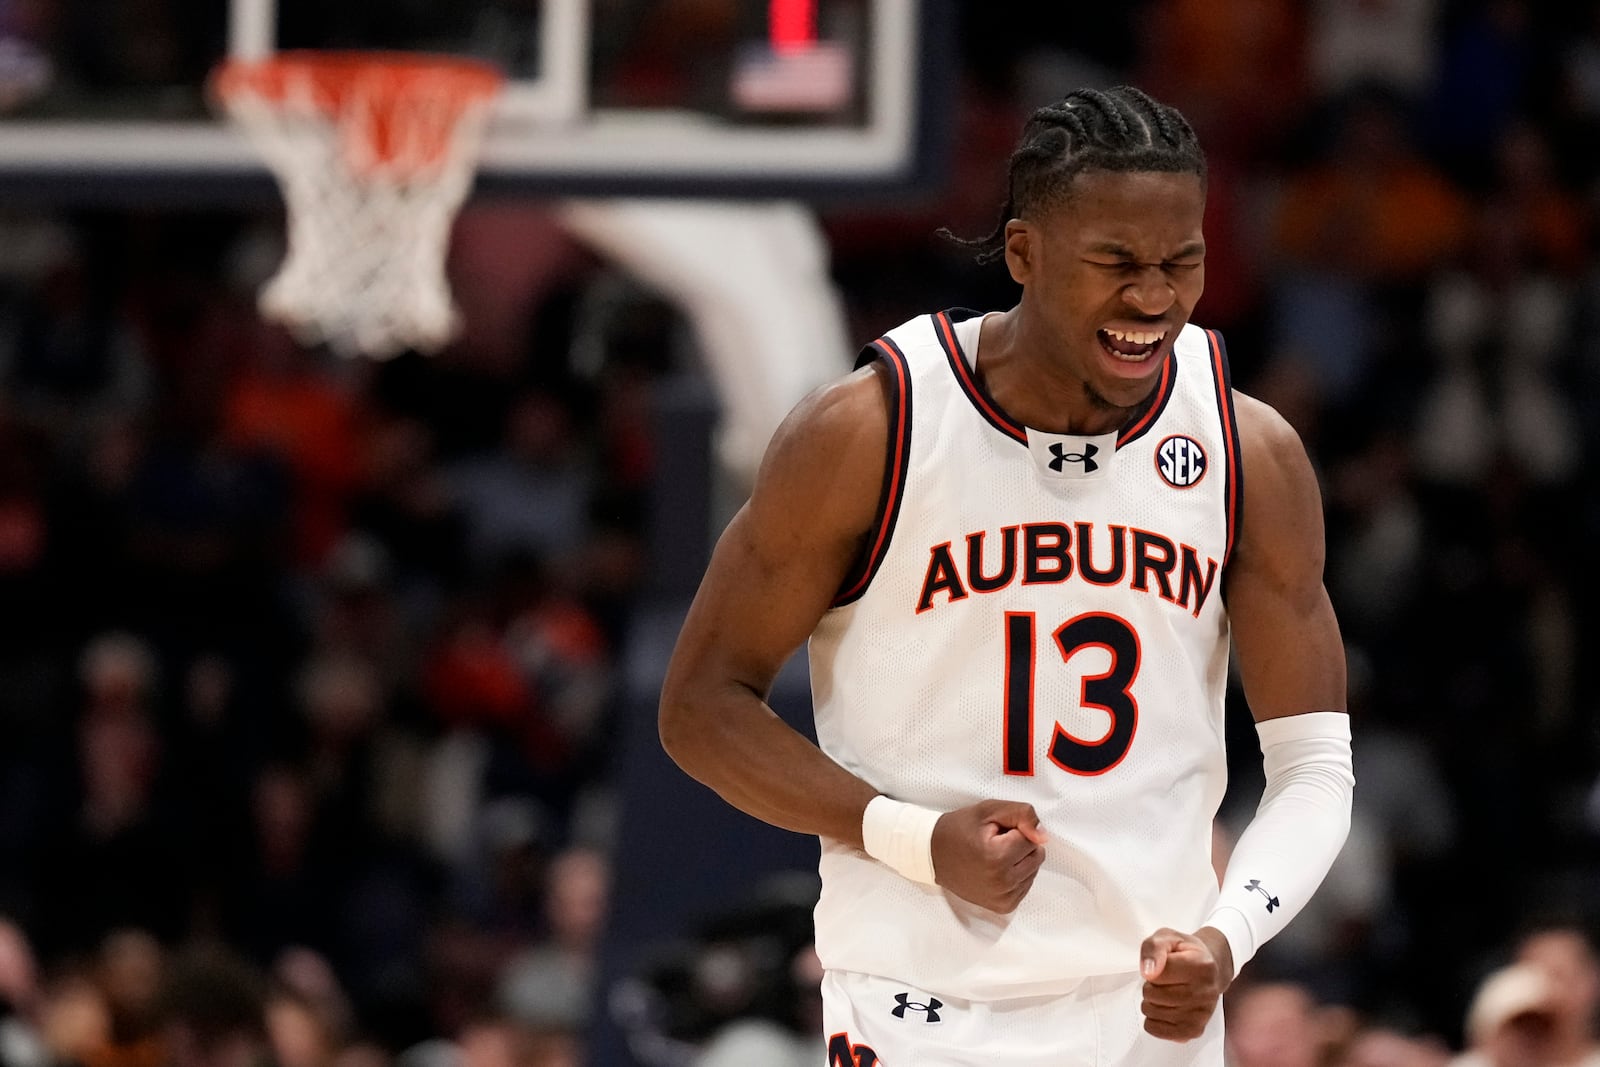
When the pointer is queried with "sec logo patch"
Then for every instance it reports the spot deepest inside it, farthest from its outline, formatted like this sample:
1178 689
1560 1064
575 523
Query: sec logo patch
1181 461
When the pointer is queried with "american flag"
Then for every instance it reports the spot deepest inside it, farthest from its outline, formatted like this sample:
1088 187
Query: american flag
819 77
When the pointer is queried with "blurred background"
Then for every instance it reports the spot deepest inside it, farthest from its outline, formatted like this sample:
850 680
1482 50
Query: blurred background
327 684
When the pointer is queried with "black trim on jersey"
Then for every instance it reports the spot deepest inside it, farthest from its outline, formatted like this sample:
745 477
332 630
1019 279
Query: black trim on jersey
944 328
1164 390
896 463
1233 489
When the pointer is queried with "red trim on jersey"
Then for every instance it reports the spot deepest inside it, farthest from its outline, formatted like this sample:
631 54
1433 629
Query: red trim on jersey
1175 563
1013 559
1202 590
1230 438
958 363
960 591
1083 693
944 326
1163 393
897 458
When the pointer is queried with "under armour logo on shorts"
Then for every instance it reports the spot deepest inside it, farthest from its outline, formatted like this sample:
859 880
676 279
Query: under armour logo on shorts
930 1010
1063 457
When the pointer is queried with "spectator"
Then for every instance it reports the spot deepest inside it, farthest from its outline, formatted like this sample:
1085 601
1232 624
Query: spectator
213 1003
21 1043
532 494
298 1034
309 1017
130 971
283 404
550 988
73 1018
1567 957
1274 1024
1512 1020
118 834
1383 1047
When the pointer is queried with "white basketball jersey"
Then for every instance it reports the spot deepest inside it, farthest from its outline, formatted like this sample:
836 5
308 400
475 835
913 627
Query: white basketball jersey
1039 617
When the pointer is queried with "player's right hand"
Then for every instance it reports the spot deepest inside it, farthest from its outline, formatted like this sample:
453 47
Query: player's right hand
989 852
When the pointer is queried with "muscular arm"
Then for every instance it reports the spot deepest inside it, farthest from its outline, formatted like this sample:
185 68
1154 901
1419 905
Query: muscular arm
1291 660
1285 637
773 574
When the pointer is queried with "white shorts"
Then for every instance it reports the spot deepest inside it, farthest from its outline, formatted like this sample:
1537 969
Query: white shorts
878 1022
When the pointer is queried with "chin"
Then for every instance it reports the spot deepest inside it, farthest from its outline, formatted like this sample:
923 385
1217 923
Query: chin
1123 393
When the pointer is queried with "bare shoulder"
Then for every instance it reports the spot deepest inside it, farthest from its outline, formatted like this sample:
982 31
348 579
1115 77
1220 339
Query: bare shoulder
1264 435
824 466
780 562
1285 635
1282 499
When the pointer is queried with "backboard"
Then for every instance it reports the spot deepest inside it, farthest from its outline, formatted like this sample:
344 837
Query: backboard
819 98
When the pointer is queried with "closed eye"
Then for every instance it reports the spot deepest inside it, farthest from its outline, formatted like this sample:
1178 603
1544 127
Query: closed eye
1128 264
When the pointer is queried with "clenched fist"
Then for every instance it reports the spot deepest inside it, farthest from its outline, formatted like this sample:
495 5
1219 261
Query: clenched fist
1184 977
989 852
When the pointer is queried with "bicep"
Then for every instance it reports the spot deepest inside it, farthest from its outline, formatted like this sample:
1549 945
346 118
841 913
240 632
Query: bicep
761 597
1286 638
779 564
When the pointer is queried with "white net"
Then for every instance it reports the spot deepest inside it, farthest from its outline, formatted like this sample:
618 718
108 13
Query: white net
373 168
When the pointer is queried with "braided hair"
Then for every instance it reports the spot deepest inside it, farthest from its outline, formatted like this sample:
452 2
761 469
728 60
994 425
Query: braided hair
1120 129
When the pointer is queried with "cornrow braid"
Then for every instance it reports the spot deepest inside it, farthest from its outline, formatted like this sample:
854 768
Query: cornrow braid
1122 129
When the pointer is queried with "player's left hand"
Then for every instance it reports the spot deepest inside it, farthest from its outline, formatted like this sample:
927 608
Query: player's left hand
1185 976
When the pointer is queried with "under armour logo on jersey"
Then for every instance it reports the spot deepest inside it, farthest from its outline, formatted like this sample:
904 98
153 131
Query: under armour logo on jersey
1181 461
1063 457
1066 459
930 1010
1272 901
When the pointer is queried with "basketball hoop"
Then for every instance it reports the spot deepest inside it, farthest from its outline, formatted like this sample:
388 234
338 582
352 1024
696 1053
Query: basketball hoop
375 153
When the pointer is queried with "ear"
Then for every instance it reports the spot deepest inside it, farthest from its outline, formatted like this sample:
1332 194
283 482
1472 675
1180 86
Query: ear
1021 251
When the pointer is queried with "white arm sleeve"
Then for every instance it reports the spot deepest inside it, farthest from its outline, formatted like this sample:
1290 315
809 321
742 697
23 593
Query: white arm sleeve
1285 852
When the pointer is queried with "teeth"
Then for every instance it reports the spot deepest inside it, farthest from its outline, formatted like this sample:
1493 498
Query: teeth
1137 337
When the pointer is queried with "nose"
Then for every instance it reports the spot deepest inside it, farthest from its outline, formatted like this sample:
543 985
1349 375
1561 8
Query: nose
1150 292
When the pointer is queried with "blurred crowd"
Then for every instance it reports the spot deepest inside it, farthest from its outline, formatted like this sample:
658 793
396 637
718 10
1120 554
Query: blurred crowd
309 665
309 668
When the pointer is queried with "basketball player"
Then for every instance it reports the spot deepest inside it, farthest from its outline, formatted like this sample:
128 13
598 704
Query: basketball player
1020 545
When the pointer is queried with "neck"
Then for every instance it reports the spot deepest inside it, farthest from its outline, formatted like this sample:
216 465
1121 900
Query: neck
1013 363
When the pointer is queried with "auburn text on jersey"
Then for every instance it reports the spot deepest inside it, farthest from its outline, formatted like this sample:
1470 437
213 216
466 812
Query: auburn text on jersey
1048 553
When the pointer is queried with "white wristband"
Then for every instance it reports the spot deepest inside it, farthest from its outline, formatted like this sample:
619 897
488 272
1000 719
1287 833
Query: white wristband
901 836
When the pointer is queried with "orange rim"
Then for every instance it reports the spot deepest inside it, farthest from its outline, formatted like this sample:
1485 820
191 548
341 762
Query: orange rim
392 109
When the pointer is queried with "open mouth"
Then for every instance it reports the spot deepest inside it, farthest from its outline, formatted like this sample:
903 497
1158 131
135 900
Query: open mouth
1130 346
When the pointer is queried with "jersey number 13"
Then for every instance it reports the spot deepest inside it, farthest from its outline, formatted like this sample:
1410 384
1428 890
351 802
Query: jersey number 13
1110 692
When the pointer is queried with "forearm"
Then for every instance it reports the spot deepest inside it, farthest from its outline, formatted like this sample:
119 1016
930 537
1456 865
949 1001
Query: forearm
1297 832
735 744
